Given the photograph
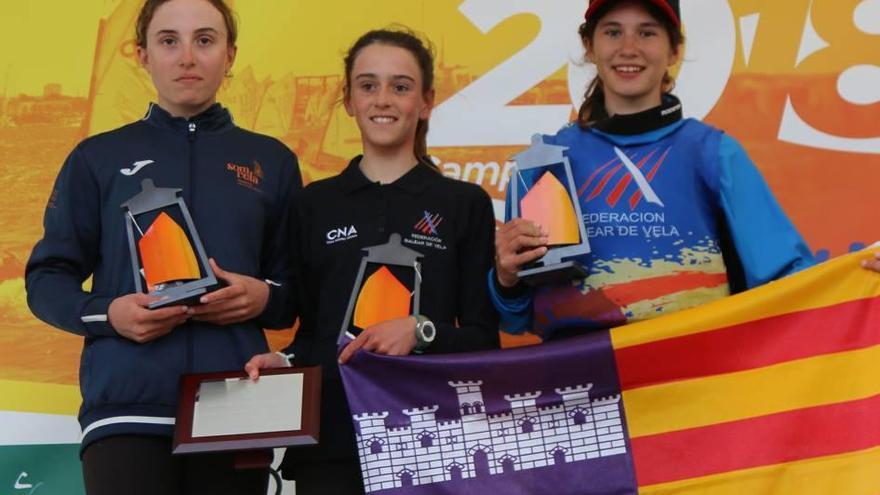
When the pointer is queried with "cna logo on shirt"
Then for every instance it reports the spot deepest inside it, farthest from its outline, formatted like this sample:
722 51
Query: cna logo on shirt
612 180
429 223
340 234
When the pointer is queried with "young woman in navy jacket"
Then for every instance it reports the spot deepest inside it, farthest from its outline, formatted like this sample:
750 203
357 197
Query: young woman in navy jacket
237 186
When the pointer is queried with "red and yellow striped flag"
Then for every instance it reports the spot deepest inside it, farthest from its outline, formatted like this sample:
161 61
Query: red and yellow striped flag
776 390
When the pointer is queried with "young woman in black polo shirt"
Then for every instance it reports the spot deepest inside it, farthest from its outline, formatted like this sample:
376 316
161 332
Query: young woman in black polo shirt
392 188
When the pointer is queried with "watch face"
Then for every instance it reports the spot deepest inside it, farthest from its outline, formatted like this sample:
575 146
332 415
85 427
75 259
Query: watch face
428 331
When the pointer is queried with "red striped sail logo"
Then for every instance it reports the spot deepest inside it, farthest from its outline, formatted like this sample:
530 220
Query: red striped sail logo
612 180
429 223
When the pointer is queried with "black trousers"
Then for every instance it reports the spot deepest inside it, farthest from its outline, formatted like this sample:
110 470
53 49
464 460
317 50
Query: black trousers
143 465
326 477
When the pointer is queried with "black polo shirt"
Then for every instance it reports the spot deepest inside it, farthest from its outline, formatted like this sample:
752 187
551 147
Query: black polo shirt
451 223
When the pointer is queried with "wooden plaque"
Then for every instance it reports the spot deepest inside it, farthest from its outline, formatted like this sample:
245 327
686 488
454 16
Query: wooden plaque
188 441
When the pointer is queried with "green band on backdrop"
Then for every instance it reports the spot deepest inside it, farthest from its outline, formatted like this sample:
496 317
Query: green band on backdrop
40 470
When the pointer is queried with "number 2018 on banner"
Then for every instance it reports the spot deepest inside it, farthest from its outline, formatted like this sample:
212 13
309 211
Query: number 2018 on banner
480 114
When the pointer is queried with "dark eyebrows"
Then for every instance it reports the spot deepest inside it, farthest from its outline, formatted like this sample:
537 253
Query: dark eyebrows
643 25
369 75
207 30
204 30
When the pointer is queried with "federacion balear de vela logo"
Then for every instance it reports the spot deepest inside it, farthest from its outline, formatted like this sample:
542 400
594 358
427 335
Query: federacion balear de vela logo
429 223
612 179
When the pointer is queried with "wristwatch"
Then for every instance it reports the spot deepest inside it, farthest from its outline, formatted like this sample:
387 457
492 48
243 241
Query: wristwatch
425 333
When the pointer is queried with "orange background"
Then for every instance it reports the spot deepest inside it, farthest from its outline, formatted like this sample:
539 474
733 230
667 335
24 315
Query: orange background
71 74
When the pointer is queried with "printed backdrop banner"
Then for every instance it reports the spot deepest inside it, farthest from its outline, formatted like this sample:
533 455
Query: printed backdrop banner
796 81
771 391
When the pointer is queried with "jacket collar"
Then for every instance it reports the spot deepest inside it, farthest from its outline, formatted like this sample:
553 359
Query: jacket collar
214 119
668 112
413 182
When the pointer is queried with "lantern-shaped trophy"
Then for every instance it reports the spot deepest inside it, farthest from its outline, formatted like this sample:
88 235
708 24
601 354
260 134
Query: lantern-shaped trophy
162 254
387 287
548 198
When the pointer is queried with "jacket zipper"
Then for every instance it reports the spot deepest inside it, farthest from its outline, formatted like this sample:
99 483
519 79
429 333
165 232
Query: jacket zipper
191 138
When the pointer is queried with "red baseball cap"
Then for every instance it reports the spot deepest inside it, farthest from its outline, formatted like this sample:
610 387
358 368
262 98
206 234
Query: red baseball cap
669 7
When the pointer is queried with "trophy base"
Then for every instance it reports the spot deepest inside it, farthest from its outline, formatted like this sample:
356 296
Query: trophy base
555 274
177 296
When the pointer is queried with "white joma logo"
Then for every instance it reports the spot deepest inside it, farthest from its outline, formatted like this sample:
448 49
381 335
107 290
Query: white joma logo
135 167
341 234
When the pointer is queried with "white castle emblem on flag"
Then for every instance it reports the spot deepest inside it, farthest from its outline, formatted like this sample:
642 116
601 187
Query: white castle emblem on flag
478 444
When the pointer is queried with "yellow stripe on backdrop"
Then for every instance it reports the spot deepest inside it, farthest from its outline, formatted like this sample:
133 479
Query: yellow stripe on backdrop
797 292
42 398
788 386
853 473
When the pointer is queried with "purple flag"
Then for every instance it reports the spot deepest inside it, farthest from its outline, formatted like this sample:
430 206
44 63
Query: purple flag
544 419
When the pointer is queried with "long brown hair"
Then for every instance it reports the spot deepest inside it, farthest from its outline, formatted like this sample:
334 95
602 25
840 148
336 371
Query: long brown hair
421 50
149 9
594 97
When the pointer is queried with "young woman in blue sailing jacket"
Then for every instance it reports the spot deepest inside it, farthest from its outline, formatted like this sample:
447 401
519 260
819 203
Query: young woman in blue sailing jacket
677 214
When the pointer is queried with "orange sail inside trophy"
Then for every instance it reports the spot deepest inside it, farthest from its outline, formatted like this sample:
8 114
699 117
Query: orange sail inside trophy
166 253
382 298
549 205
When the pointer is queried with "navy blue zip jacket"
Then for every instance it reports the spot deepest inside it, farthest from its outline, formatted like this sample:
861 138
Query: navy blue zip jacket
238 187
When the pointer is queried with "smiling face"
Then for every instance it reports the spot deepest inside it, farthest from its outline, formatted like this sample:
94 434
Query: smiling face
632 52
187 55
386 98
